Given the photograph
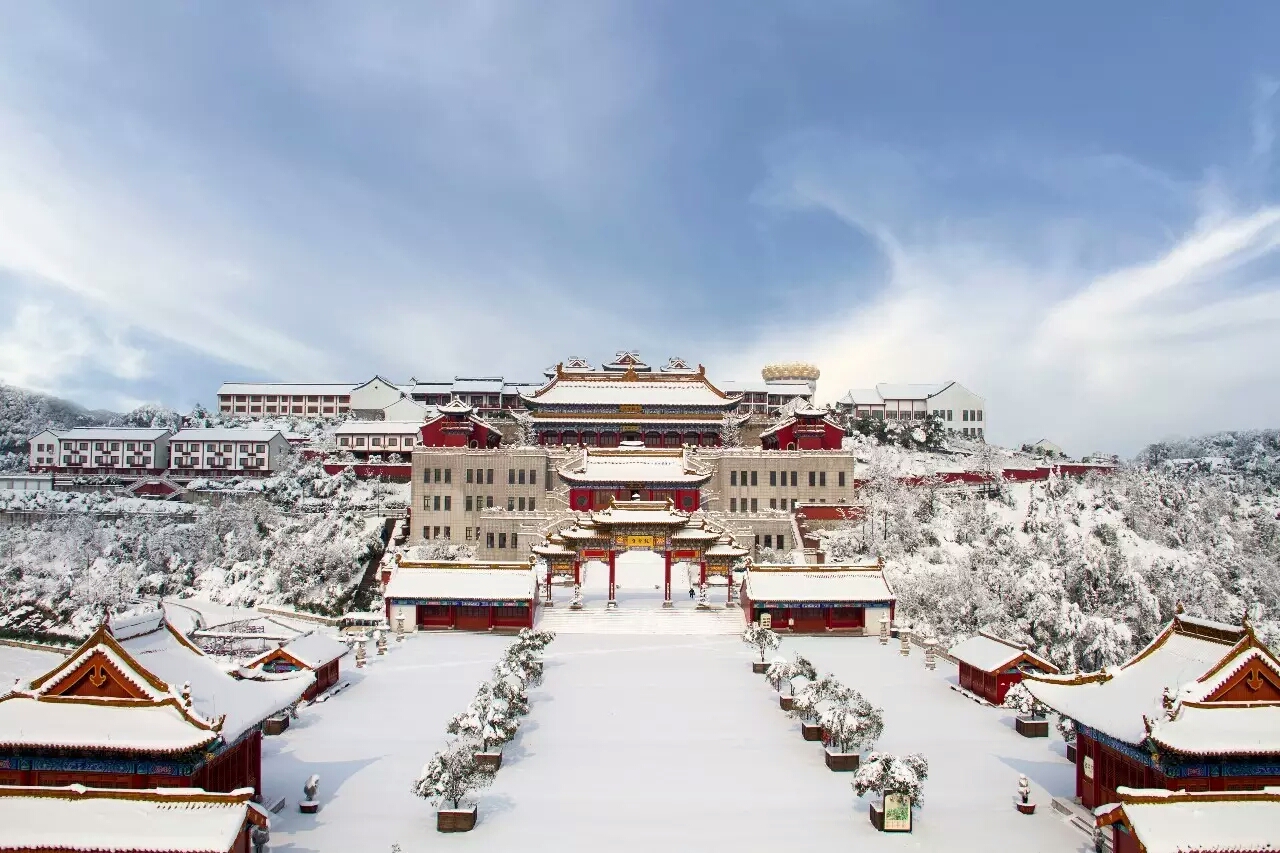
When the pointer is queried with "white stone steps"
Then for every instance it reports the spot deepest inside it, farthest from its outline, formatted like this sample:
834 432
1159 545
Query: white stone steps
658 620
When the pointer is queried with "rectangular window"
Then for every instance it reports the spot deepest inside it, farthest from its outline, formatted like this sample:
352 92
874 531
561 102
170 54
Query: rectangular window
468 531
948 414
768 540
448 505
469 475
753 478
794 476
426 532
511 476
813 479
733 504
773 478
447 533
448 475
435 474
757 540
822 478
753 505
426 475
533 476
520 477
488 502
435 532
781 542
488 539
426 501
840 479
794 501
773 503
435 503
488 477
469 503
522 504
531 505
979 414
742 478
733 478
964 415
502 540
511 504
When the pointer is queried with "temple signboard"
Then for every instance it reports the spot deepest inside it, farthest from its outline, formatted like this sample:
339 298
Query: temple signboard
897 813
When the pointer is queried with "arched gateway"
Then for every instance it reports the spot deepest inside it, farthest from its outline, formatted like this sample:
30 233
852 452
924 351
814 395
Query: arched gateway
637 525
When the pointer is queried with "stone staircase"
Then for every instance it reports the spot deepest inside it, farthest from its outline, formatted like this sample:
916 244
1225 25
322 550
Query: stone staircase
654 620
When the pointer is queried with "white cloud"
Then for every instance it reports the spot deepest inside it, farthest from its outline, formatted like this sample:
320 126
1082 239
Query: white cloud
42 345
1107 356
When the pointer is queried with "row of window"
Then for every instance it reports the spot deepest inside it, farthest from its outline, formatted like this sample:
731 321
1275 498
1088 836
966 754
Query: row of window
816 478
286 398
444 503
491 540
194 447
769 539
736 505
611 439
375 441
285 410
974 432
104 461
481 476
144 446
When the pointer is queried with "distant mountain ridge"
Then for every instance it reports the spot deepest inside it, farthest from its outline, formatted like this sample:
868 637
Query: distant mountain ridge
24 413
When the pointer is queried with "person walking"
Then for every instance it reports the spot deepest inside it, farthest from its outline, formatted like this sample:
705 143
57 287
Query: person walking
690 593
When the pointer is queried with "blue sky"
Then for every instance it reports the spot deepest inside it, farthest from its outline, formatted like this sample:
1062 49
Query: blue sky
1070 209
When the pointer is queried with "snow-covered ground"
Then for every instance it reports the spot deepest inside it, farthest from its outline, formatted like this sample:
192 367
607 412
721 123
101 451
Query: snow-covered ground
16 662
636 743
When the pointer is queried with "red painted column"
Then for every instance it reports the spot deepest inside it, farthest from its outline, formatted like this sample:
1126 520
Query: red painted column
666 578
613 559
826 615
491 609
577 572
702 572
549 601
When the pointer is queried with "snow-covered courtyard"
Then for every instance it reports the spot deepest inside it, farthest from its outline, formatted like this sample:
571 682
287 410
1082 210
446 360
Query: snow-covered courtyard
638 742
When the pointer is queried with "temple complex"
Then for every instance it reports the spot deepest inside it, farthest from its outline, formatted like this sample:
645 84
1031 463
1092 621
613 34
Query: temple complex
1198 710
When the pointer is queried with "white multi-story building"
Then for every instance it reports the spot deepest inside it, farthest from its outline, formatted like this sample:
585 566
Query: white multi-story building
323 399
124 451
378 438
375 399
779 385
226 452
957 407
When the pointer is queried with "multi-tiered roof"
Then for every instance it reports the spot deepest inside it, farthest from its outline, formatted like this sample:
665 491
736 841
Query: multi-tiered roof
628 396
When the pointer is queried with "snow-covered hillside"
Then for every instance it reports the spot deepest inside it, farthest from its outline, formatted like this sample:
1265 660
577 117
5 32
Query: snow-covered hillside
305 538
1085 572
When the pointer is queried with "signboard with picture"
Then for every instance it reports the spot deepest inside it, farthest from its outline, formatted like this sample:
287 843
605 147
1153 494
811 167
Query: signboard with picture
766 620
897 813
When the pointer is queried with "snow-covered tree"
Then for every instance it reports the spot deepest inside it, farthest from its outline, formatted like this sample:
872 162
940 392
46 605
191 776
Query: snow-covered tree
812 699
452 776
886 773
1066 728
731 430
782 671
852 723
763 639
1019 699
488 721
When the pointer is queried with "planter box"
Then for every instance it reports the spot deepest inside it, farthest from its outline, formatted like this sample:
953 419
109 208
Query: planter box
785 702
841 762
1071 753
489 760
456 820
1028 727
759 667
275 725
308 806
877 816
811 731
1026 808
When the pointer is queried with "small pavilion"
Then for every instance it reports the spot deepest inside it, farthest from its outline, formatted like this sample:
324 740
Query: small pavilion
426 595
990 665
818 598
638 525
313 651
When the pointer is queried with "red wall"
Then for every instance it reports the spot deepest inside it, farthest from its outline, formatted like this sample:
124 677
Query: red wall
458 431
806 434
585 498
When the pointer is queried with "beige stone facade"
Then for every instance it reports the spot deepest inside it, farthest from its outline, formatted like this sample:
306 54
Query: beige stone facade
503 500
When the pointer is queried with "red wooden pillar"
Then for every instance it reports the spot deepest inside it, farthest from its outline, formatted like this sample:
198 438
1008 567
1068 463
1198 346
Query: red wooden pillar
491 612
666 578
613 559
577 572
826 617
550 603
702 573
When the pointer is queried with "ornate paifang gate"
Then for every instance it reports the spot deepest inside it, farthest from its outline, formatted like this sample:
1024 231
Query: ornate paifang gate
640 526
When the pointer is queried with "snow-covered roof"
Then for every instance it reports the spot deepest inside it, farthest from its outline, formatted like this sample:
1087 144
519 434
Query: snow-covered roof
826 582
862 397
990 653
1221 729
478 385
1116 701
226 434
632 465
173 658
1210 821
911 391
478 582
291 388
640 512
669 389
378 427
782 387
109 820
805 412
26 721
113 434
313 650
